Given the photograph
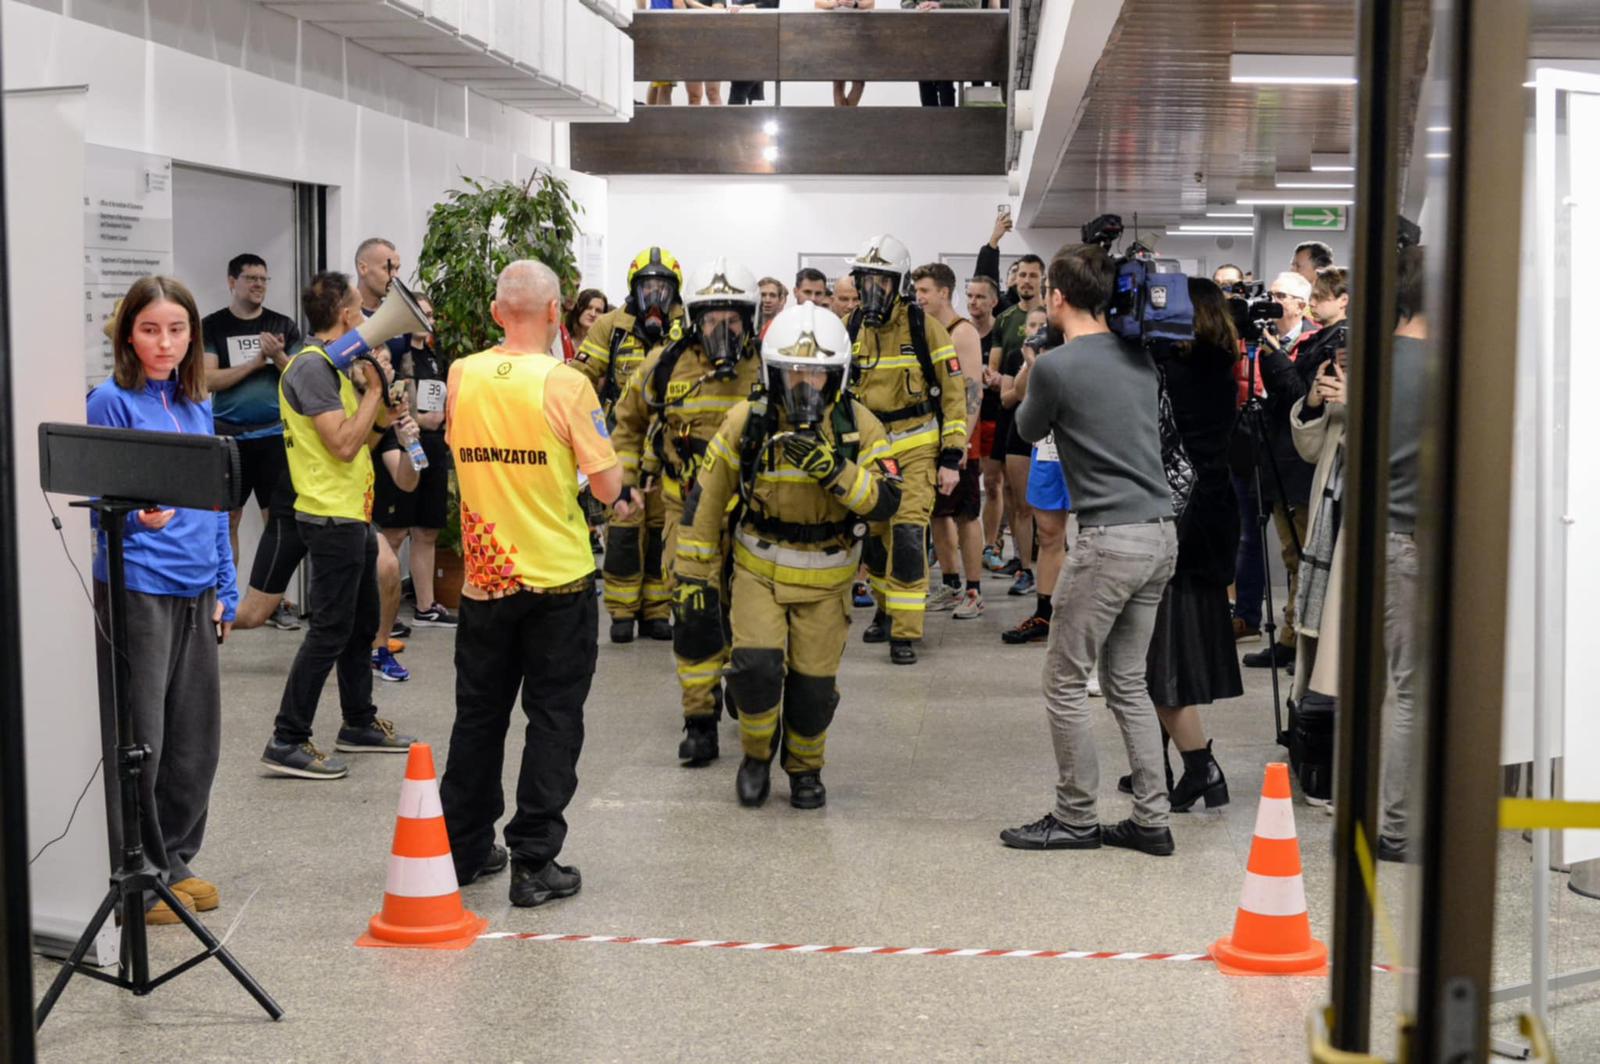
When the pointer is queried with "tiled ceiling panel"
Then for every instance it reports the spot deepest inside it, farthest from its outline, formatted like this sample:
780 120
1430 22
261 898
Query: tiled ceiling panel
1164 131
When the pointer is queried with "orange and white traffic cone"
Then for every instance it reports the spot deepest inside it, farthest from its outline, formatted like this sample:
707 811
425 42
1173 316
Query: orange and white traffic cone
1272 932
421 901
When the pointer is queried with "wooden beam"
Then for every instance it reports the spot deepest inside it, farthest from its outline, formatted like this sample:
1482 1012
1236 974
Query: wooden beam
841 45
704 46
845 45
810 140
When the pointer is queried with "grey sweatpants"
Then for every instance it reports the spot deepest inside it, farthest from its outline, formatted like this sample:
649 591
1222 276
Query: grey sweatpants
1400 646
176 696
1106 597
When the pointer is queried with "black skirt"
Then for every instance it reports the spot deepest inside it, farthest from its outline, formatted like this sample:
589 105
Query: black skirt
1193 660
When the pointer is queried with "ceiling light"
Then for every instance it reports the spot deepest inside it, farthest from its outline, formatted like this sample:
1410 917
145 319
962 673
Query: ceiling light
1269 200
1171 233
1437 155
1223 213
1218 230
1326 163
770 153
1438 129
1254 69
770 128
1310 180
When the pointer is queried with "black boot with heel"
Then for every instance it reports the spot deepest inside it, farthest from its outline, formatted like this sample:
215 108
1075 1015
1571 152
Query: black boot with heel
1202 778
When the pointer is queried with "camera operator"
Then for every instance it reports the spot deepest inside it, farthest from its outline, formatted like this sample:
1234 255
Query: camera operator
331 420
180 588
1286 482
1098 397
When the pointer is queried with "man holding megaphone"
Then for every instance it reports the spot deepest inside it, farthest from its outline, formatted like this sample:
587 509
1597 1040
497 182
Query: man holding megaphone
333 398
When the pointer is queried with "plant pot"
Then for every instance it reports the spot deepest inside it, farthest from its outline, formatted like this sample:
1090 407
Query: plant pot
448 573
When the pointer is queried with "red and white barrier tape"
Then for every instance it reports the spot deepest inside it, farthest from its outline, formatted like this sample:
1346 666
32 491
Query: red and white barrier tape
875 951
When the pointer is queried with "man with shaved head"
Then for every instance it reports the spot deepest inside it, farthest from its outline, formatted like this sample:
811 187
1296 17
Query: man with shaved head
526 431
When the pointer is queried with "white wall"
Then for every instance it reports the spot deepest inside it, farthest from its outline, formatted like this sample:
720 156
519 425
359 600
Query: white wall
61 715
765 223
390 140
215 216
1276 244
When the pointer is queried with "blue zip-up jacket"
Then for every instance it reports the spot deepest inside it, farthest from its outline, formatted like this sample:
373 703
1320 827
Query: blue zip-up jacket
192 553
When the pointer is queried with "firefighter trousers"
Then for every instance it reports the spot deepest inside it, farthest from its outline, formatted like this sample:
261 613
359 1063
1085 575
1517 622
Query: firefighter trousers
896 552
699 679
635 584
787 643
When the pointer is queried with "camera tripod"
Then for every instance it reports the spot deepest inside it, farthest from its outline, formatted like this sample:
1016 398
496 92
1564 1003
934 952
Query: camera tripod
1253 418
134 876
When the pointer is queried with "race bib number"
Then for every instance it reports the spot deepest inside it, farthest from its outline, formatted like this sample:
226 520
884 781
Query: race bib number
1047 450
430 396
244 349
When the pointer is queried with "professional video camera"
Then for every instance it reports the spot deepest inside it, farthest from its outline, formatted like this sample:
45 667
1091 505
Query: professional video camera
1150 305
1251 308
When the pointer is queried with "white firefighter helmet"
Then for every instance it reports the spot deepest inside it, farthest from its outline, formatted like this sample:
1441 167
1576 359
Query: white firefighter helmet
880 269
883 254
721 283
800 342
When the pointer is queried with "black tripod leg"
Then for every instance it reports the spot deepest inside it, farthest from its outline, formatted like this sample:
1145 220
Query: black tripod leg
81 950
214 947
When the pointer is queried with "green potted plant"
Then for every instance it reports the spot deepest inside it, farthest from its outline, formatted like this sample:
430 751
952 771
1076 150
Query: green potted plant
473 233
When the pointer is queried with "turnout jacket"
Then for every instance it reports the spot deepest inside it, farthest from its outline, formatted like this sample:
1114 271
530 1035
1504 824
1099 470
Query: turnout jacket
816 555
667 416
614 350
888 378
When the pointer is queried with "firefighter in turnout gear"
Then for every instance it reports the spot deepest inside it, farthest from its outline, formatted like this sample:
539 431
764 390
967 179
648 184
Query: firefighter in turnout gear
617 344
672 407
904 370
805 469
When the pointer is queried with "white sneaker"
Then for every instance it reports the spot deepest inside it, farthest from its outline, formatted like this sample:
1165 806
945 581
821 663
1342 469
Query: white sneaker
1094 685
971 605
941 597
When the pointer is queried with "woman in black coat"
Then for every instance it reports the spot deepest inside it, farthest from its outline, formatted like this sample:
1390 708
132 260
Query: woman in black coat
1193 660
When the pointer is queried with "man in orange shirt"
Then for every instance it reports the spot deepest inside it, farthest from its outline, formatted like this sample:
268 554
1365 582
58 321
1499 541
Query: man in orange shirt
525 430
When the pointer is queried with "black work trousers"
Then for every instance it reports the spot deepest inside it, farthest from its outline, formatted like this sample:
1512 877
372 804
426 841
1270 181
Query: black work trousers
544 645
344 621
937 93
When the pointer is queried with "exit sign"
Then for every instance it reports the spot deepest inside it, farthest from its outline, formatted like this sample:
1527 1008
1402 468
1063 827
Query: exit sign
1313 217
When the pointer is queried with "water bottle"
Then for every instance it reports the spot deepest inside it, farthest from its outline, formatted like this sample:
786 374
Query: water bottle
413 445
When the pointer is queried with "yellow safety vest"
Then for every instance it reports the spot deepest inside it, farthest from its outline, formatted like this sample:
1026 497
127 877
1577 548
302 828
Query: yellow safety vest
521 525
324 485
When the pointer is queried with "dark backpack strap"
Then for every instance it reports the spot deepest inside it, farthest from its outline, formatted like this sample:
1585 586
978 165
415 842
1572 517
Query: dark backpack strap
918 323
845 431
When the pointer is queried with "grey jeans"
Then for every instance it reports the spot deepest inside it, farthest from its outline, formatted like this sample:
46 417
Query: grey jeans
1106 597
1399 644
175 693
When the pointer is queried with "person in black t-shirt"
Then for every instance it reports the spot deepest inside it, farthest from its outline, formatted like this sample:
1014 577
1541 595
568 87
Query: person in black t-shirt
983 293
246 348
419 514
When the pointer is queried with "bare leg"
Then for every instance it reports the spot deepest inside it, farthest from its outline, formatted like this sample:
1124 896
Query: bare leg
994 498
838 94
1051 526
714 93
944 544
1185 727
969 533
423 541
696 90
234 517
1021 513
852 95
388 587
255 609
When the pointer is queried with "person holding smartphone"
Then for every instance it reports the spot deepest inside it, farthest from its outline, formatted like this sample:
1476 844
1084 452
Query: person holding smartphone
181 594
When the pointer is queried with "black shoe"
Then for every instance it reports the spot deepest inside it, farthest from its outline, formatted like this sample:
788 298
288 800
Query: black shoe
901 652
1278 654
658 628
531 886
1393 850
495 862
400 631
622 631
806 791
1157 842
878 630
1048 833
754 781
1032 629
1202 778
699 745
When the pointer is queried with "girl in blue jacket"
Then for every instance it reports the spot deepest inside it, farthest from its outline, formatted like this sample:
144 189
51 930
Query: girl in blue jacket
181 590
